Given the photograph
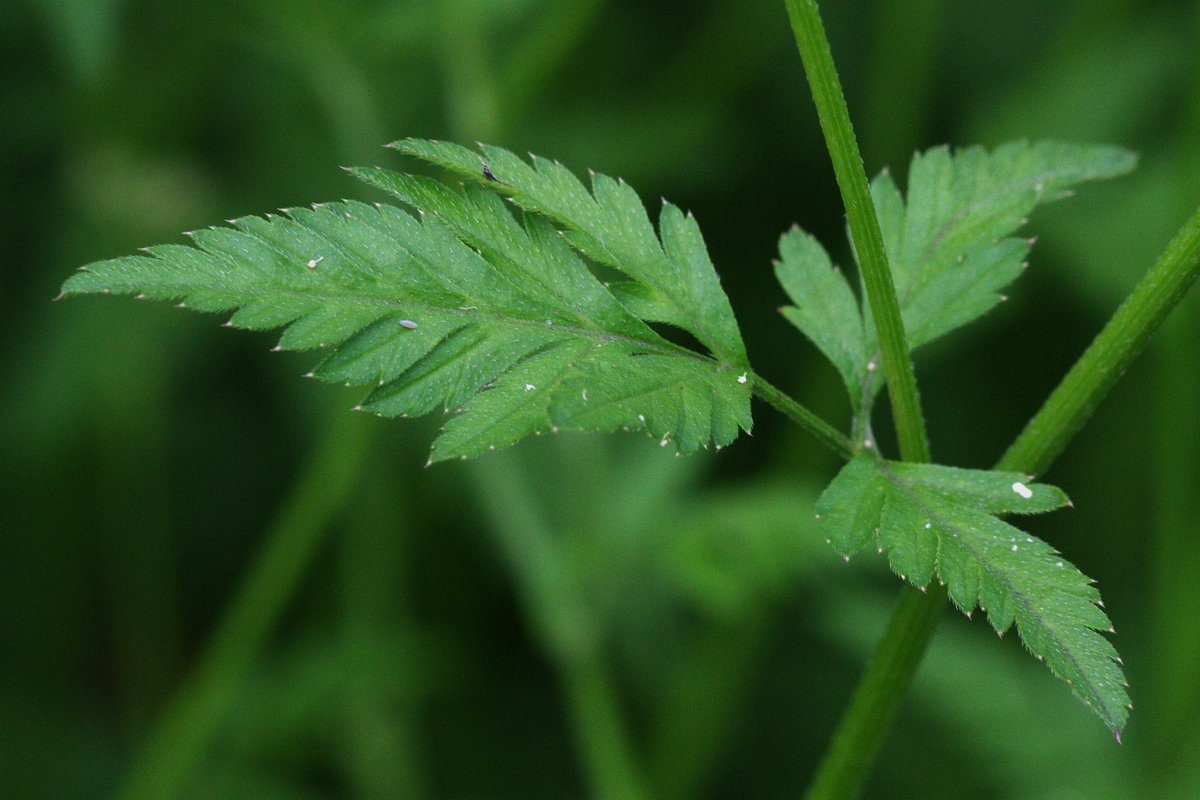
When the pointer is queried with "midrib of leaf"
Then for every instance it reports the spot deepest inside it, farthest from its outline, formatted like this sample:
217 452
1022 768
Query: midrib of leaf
325 294
984 562
328 295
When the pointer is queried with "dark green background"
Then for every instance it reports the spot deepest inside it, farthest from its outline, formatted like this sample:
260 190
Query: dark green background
466 631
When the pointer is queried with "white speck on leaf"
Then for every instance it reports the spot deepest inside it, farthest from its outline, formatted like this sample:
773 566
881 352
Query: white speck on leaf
312 262
871 366
928 525
529 387
1014 548
663 442
1022 490
408 323
742 378
583 394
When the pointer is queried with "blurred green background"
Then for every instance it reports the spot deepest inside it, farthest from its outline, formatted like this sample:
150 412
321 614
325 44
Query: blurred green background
216 582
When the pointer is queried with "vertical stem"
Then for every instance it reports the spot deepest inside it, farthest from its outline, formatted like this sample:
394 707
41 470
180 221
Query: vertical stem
877 699
864 226
879 694
601 732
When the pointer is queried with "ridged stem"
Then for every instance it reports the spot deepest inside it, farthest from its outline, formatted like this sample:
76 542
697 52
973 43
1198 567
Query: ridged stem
1125 335
825 433
877 699
864 227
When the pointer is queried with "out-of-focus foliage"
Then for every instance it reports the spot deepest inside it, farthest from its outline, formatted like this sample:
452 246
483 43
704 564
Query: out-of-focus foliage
576 616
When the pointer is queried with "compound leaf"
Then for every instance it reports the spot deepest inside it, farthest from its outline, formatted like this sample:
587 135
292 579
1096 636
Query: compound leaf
950 245
609 224
466 307
825 309
940 523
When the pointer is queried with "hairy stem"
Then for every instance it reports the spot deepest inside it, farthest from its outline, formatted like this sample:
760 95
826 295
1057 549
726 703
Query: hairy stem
878 696
864 227
1110 353
828 435
177 746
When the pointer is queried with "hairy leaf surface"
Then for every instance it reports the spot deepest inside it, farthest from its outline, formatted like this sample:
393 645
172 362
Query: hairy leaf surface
609 224
467 308
941 523
949 245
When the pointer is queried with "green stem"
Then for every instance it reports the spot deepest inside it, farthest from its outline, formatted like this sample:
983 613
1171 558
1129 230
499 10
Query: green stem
877 699
828 435
169 760
864 227
878 696
880 693
1122 339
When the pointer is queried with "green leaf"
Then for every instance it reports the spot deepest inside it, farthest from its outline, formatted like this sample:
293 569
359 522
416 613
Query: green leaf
466 307
950 247
940 523
608 224
826 309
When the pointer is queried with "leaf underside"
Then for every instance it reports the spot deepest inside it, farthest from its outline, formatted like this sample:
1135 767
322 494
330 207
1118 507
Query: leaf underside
940 523
949 245
471 308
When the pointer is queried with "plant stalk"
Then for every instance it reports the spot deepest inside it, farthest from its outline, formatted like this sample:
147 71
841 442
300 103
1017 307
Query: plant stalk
865 724
880 693
878 696
828 435
864 227
1072 402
